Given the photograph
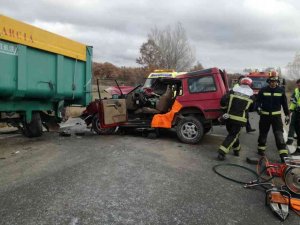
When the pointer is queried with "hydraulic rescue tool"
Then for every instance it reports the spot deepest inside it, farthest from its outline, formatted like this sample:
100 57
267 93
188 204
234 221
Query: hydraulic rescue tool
279 198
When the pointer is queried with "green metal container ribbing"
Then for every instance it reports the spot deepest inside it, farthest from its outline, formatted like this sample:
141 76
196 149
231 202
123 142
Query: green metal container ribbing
30 75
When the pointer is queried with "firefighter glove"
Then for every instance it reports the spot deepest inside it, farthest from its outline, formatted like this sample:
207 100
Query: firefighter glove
222 119
287 120
259 111
225 116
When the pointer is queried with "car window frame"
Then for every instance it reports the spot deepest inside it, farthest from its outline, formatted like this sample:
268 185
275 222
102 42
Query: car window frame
199 77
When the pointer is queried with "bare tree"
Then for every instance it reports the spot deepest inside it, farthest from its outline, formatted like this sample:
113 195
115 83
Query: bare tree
174 48
196 67
150 55
293 68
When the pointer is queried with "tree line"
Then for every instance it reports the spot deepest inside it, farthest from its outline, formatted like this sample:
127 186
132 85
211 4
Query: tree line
127 75
169 48
166 48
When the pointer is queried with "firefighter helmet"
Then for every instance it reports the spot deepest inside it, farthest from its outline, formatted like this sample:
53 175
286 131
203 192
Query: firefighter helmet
241 77
246 81
273 77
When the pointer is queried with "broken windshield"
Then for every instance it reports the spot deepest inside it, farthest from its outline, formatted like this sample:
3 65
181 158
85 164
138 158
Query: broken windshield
259 82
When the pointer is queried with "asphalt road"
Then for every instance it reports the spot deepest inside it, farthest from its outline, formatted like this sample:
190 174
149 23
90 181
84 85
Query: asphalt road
127 179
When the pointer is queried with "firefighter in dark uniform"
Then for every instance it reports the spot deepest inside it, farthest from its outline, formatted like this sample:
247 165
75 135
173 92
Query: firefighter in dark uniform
269 102
295 109
249 129
235 105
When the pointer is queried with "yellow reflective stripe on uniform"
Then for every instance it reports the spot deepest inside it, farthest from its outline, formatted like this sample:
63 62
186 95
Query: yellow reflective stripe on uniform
238 118
267 94
230 102
276 113
283 151
243 98
236 137
262 148
274 94
222 148
272 113
264 112
247 107
226 150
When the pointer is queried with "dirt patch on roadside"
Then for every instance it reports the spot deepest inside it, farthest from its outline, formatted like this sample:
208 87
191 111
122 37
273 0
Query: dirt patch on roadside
3 125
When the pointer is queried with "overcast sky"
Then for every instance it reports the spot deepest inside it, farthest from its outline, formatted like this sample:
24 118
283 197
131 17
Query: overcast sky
230 34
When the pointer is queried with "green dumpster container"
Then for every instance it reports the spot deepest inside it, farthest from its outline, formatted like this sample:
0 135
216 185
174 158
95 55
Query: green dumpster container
41 73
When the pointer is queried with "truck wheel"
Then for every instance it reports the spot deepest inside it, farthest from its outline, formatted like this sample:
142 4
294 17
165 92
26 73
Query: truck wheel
189 130
35 127
99 130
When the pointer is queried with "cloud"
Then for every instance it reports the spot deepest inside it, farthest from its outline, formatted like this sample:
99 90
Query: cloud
230 34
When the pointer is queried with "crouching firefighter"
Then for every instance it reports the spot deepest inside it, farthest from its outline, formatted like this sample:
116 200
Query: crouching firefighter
269 102
235 105
295 109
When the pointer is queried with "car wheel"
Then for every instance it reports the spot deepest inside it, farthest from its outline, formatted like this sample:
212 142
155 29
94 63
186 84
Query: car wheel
96 126
35 127
189 130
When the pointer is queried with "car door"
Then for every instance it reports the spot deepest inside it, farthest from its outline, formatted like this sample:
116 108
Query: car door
114 112
202 92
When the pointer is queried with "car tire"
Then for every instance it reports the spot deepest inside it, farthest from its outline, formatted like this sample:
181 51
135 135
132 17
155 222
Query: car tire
35 127
99 130
190 130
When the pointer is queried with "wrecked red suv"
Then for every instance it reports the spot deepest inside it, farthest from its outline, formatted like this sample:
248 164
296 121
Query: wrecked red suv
198 94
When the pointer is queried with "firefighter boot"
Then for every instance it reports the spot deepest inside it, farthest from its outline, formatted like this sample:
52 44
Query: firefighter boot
261 152
282 156
221 156
236 152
